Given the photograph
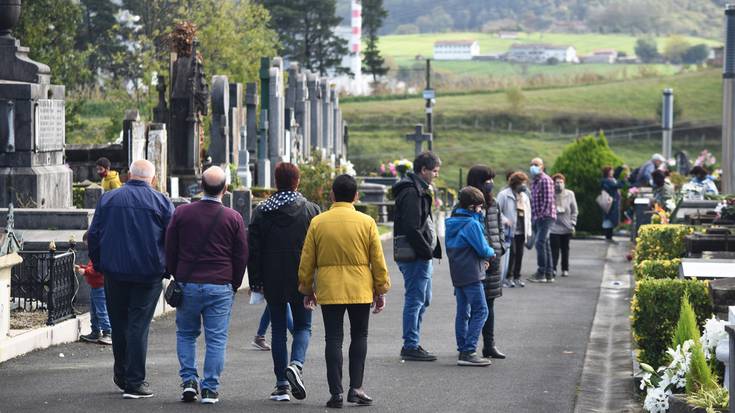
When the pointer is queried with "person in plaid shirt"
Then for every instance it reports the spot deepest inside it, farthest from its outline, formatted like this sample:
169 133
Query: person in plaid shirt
543 214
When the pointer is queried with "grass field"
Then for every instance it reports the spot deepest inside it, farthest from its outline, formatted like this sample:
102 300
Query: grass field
497 68
699 95
410 45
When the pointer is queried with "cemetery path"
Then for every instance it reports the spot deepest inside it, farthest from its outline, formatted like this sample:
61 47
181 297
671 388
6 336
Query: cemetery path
544 329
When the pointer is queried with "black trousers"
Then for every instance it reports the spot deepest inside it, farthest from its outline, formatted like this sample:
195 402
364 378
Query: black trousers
560 243
608 233
333 314
130 307
488 330
516 257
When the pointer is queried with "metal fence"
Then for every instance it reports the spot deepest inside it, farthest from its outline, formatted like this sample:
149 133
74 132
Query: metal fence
45 280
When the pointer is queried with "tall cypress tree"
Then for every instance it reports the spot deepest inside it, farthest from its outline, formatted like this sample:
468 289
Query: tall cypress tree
306 31
373 14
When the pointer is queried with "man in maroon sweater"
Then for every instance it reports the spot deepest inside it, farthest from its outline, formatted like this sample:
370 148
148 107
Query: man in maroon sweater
206 251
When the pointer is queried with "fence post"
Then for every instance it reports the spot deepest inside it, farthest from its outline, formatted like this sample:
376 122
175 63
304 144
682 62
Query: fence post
48 268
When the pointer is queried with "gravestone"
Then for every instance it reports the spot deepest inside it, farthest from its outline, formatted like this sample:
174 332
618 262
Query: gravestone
302 114
276 121
682 163
92 195
134 142
160 112
158 153
189 102
242 200
315 110
418 137
327 117
337 126
264 164
32 126
237 123
249 134
219 143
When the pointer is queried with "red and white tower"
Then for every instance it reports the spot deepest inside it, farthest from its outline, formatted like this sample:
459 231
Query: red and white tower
356 39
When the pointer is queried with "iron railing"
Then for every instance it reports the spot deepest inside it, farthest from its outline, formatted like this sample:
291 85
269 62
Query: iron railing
45 280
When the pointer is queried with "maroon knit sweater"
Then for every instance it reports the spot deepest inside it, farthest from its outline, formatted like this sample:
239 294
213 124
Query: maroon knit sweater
223 259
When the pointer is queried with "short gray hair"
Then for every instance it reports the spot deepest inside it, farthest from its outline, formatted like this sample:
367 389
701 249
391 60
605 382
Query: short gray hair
143 169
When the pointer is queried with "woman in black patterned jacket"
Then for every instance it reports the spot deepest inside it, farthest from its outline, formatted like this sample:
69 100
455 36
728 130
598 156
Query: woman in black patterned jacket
481 177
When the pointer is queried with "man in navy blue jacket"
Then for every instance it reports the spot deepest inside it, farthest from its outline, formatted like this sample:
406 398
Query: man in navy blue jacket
126 244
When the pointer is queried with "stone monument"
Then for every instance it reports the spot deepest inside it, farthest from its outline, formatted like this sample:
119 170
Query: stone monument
219 144
32 126
188 103
315 111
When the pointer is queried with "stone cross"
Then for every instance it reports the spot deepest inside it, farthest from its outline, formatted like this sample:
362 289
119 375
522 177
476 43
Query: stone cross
264 164
418 137
315 108
249 148
158 154
160 112
220 129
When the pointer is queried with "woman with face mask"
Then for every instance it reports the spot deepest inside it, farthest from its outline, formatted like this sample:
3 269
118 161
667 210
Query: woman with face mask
564 226
611 218
481 177
515 208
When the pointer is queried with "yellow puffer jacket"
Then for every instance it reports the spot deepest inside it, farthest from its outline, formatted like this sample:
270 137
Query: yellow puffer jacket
111 181
342 258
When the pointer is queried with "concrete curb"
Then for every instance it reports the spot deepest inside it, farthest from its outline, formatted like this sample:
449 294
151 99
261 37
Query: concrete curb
606 383
68 331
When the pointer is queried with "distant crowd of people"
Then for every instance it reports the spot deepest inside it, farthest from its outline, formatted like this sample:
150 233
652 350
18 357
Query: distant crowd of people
298 257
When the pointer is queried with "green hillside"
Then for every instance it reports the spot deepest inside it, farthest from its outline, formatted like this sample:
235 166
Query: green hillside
402 47
699 94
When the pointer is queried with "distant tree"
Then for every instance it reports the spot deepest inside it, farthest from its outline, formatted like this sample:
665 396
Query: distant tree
437 21
373 15
306 32
407 29
49 28
98 29
552 61
646 49
696 55
675 48
516 99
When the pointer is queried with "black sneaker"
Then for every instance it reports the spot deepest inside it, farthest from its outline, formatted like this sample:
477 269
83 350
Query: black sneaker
537 278
138 392
280 394
190 392
296 380
105 338
416 354
209 396
335 402
92 337
472 359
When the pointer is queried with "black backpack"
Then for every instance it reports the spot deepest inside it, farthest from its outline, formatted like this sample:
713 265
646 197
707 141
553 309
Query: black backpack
633 178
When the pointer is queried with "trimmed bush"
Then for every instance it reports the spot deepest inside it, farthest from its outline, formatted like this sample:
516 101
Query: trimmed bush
657 269
581 163
78 197
655 312
661 242
368 209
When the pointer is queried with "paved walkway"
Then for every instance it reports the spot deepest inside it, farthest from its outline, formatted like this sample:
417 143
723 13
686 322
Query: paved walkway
543 328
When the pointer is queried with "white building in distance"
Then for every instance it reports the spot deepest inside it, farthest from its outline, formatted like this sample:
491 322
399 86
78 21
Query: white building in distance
542 53
456 49
606 56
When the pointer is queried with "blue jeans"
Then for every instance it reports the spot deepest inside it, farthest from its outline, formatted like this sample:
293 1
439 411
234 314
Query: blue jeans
300 330
471 315
265 320
417 283
210 305
543 246
98 311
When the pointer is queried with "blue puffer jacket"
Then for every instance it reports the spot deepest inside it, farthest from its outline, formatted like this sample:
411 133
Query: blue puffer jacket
467 247
126 238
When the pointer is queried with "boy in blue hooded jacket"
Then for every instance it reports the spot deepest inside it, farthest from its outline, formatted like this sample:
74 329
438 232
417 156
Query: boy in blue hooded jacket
468 253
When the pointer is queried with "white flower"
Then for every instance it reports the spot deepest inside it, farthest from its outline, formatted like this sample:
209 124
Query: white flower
714 332
657 401
646 380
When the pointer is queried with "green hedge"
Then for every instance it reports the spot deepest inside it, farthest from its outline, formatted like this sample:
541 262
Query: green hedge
655 312
581 163
78 197
661 242
657 269
368 209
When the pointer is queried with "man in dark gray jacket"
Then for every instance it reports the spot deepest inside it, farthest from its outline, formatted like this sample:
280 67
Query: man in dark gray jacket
415 244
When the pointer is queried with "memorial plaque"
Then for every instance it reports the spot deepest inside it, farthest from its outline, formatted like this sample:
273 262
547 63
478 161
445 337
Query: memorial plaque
49 125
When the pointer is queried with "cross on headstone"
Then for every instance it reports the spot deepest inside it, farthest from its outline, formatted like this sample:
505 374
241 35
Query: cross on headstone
419 137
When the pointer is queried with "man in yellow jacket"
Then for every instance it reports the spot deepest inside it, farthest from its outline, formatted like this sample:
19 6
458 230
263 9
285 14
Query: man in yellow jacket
110 178
343 269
